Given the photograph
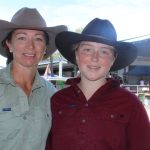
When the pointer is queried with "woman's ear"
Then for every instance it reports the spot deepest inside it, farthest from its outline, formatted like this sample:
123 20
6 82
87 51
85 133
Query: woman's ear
8 45
44 52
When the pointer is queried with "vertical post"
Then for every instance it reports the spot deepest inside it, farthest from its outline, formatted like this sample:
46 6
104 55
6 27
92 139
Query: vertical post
60 69
51 64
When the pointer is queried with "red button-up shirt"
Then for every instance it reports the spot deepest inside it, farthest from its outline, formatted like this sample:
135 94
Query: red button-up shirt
113 119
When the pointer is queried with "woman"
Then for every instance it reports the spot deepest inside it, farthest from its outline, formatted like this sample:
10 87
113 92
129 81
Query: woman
95 113
25 116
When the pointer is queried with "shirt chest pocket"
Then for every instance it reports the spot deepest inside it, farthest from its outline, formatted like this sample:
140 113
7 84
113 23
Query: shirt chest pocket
64 113
112 116
40 122
113 122
5 115
9 120
64 119
40 117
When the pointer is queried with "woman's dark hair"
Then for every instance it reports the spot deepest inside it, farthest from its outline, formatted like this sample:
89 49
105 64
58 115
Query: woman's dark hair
74 49
9 55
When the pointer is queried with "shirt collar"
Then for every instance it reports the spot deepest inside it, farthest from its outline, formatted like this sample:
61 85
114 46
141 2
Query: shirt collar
6 77
111 83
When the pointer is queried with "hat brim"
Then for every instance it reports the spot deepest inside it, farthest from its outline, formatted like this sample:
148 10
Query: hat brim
126 52
6 27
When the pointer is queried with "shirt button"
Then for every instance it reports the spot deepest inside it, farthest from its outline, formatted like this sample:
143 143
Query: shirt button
112 116
78 91
24 117
86 105
121 116
60 112
83 121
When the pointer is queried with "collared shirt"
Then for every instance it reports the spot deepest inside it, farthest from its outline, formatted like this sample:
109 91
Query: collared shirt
112 119
24 121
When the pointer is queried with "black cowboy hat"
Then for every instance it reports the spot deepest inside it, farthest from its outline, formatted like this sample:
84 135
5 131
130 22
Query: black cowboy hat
29 18
100 31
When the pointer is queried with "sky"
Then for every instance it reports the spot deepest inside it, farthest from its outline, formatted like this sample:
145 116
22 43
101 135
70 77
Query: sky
131 18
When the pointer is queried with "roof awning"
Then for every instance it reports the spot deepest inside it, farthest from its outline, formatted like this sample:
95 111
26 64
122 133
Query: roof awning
143 47
139 71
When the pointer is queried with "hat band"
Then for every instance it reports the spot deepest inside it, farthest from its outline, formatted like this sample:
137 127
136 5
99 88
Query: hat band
97 36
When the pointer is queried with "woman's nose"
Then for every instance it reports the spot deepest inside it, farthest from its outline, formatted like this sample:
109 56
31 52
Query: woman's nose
30 43
95 55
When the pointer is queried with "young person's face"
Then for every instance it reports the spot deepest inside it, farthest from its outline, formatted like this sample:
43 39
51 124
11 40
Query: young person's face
94 60
27 46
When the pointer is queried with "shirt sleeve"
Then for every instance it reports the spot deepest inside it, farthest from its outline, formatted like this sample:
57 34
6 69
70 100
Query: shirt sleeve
48 142
138 130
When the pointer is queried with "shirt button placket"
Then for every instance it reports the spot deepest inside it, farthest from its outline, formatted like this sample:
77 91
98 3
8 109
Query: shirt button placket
86 105
83 121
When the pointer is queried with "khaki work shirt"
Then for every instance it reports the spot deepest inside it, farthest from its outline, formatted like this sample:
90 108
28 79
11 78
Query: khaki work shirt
24 121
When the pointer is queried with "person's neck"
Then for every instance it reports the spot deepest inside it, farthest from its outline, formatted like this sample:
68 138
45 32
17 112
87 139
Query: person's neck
90 87
24 77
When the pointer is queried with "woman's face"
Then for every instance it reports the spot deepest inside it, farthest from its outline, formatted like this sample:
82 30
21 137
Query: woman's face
27 47
94 60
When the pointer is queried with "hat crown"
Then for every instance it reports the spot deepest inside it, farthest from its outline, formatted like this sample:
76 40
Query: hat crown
102 28
28 17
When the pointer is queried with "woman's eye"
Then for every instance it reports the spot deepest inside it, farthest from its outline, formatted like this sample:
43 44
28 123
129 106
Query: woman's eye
87 50
21 38
106 51
39 39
